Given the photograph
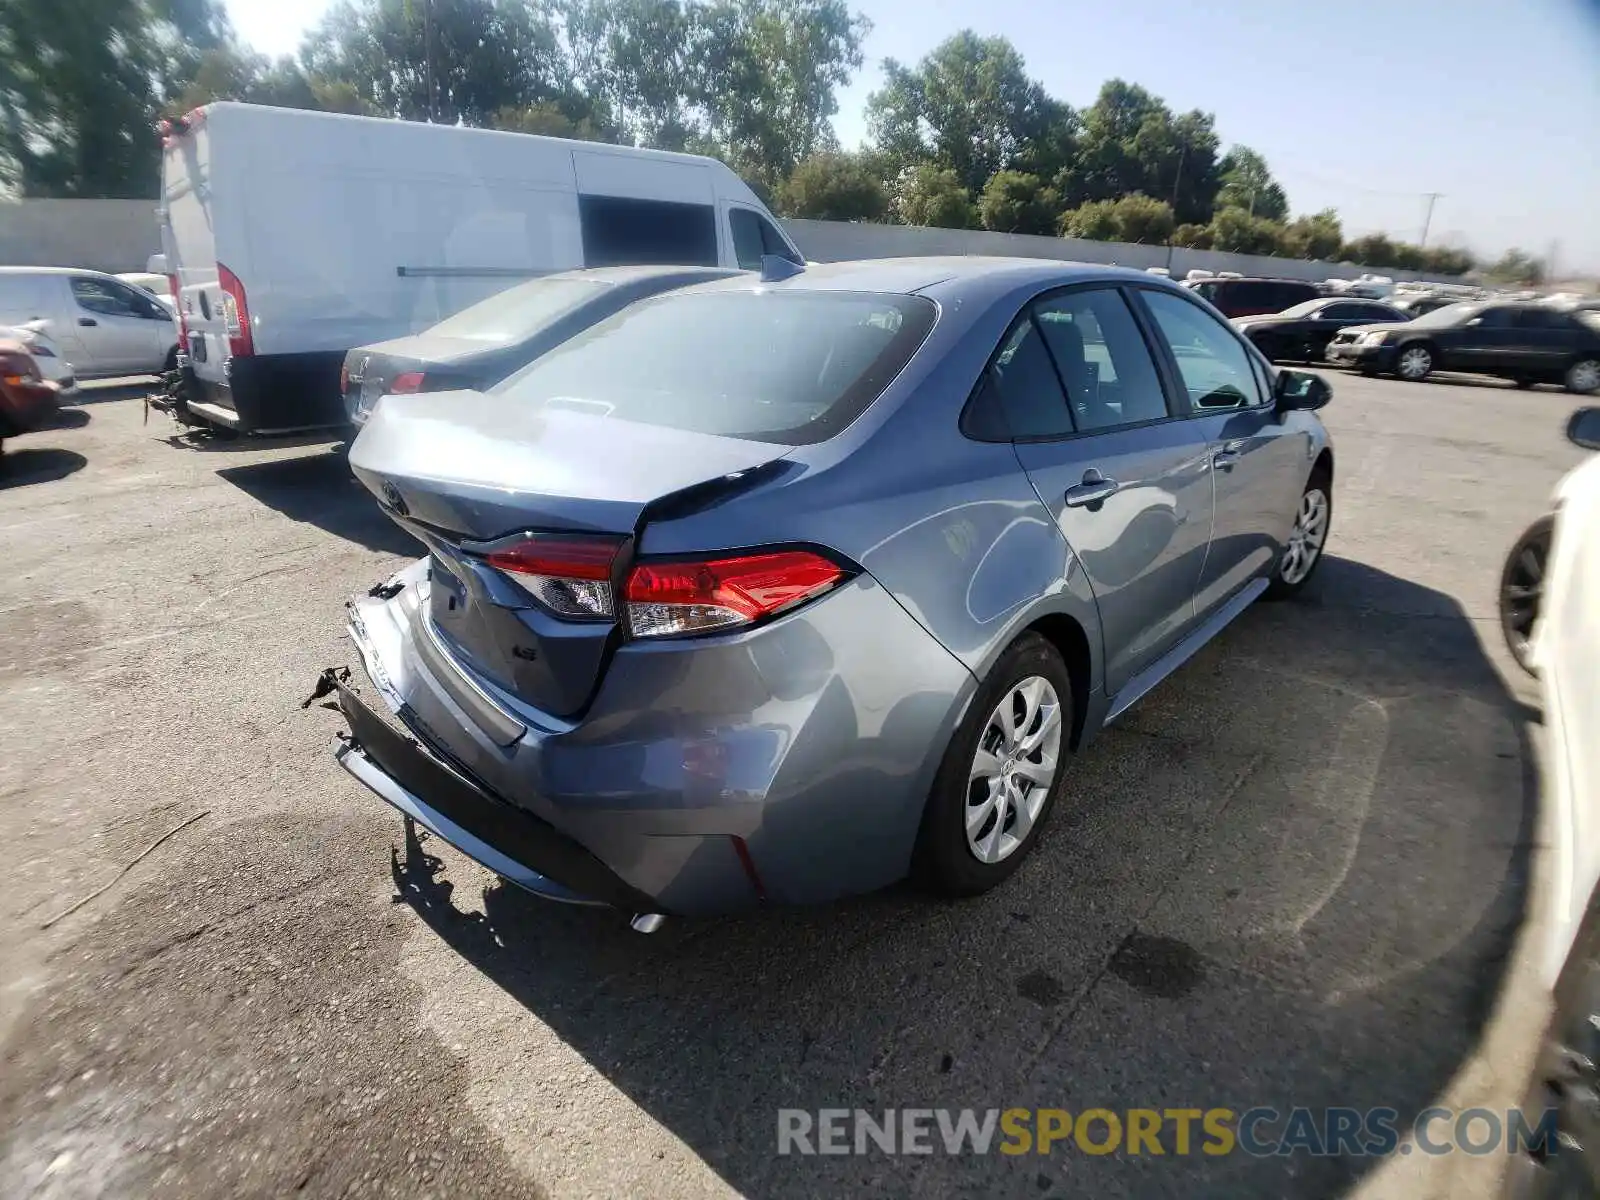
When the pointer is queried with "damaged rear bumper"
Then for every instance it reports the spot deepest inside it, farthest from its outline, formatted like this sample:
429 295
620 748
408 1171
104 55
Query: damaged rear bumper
508 840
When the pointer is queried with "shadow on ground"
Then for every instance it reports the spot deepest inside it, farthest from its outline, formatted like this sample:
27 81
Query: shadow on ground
1291 877
319 489
38 465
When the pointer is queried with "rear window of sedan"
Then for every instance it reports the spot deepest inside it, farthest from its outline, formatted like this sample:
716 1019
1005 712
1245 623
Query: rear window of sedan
791 367
519 311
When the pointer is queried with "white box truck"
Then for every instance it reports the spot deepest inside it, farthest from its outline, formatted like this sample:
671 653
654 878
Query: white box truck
292 237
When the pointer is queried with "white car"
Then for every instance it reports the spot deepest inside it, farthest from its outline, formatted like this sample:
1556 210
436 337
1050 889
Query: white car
105 327
46 353
1564 651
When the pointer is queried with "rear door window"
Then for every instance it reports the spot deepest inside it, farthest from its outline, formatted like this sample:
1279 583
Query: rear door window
1102 359
791 367
754 236
620 232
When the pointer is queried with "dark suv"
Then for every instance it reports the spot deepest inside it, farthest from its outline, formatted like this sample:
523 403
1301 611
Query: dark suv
1525 343
1252 297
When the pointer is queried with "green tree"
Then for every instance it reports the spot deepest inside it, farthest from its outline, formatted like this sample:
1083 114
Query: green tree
1236 231
1317 236
930 195
1516 266
1014 202
1131 142
80 89
764 78
1192 237
834 187
1448 260
550 118
969 106
1095 220
440 60
1247 183
1134 218
1371 250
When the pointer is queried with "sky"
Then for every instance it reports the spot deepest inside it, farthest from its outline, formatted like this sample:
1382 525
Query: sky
1363 106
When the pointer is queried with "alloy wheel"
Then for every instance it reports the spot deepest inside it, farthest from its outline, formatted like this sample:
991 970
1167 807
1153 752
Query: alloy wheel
1306 538
1521 592
1415 363
1018 754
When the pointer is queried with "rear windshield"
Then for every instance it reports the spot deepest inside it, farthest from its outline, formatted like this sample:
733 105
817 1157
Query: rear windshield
786 367
1450 314
519 311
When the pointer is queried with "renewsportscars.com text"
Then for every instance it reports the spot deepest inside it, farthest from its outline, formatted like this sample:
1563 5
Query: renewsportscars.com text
1259 1131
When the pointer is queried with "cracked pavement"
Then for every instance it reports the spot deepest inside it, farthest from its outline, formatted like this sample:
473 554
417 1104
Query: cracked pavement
1294 874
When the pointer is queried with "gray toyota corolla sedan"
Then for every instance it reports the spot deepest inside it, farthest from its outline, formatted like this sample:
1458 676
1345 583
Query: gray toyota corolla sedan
787 588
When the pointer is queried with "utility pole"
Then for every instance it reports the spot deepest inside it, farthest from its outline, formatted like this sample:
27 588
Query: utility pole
1183 148
1428 217
427 53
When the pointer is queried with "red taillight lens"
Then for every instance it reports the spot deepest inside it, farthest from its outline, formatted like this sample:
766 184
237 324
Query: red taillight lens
407 381
569 576
344 378
697 597
177 302
235 313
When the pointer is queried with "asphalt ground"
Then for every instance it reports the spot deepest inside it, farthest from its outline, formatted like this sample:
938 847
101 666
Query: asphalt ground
1296 874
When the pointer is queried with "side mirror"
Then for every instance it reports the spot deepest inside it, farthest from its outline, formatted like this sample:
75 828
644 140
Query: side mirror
1300 391
1584 428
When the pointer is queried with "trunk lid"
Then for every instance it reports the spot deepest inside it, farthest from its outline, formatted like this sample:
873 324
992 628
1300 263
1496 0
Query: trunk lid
459 469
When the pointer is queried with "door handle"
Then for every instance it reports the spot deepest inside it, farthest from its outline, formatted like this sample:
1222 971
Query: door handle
1224 459
1093 491
87 322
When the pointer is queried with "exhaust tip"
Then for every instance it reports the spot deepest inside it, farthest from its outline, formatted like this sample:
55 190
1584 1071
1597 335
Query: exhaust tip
647 922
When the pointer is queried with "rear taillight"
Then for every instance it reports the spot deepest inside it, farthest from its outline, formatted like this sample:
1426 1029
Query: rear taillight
235 313
672 598
569 576
177 303
406 382
344 378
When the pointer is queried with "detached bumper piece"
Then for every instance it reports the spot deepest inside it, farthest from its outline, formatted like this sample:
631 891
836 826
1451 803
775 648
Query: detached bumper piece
508 840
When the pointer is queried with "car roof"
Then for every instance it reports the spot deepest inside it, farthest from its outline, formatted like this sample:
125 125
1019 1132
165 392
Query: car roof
55 271
947 276
615 276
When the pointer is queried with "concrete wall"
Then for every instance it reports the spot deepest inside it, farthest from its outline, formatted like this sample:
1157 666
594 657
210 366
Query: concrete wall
833 241
106 235
119 235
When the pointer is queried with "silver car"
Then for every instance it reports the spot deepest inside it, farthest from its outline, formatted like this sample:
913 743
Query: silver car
780 589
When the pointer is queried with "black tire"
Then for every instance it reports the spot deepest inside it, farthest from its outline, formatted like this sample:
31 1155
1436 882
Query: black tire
1282 585
944 862
1522 589
1522 382
172 361
1578 376
1418 353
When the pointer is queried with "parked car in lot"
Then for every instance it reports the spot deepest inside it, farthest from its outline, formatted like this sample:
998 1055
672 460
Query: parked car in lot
104 326
27 400
1566 654
297 236
1249 297
787 588
481 345
53 367
1302 333
1522 342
